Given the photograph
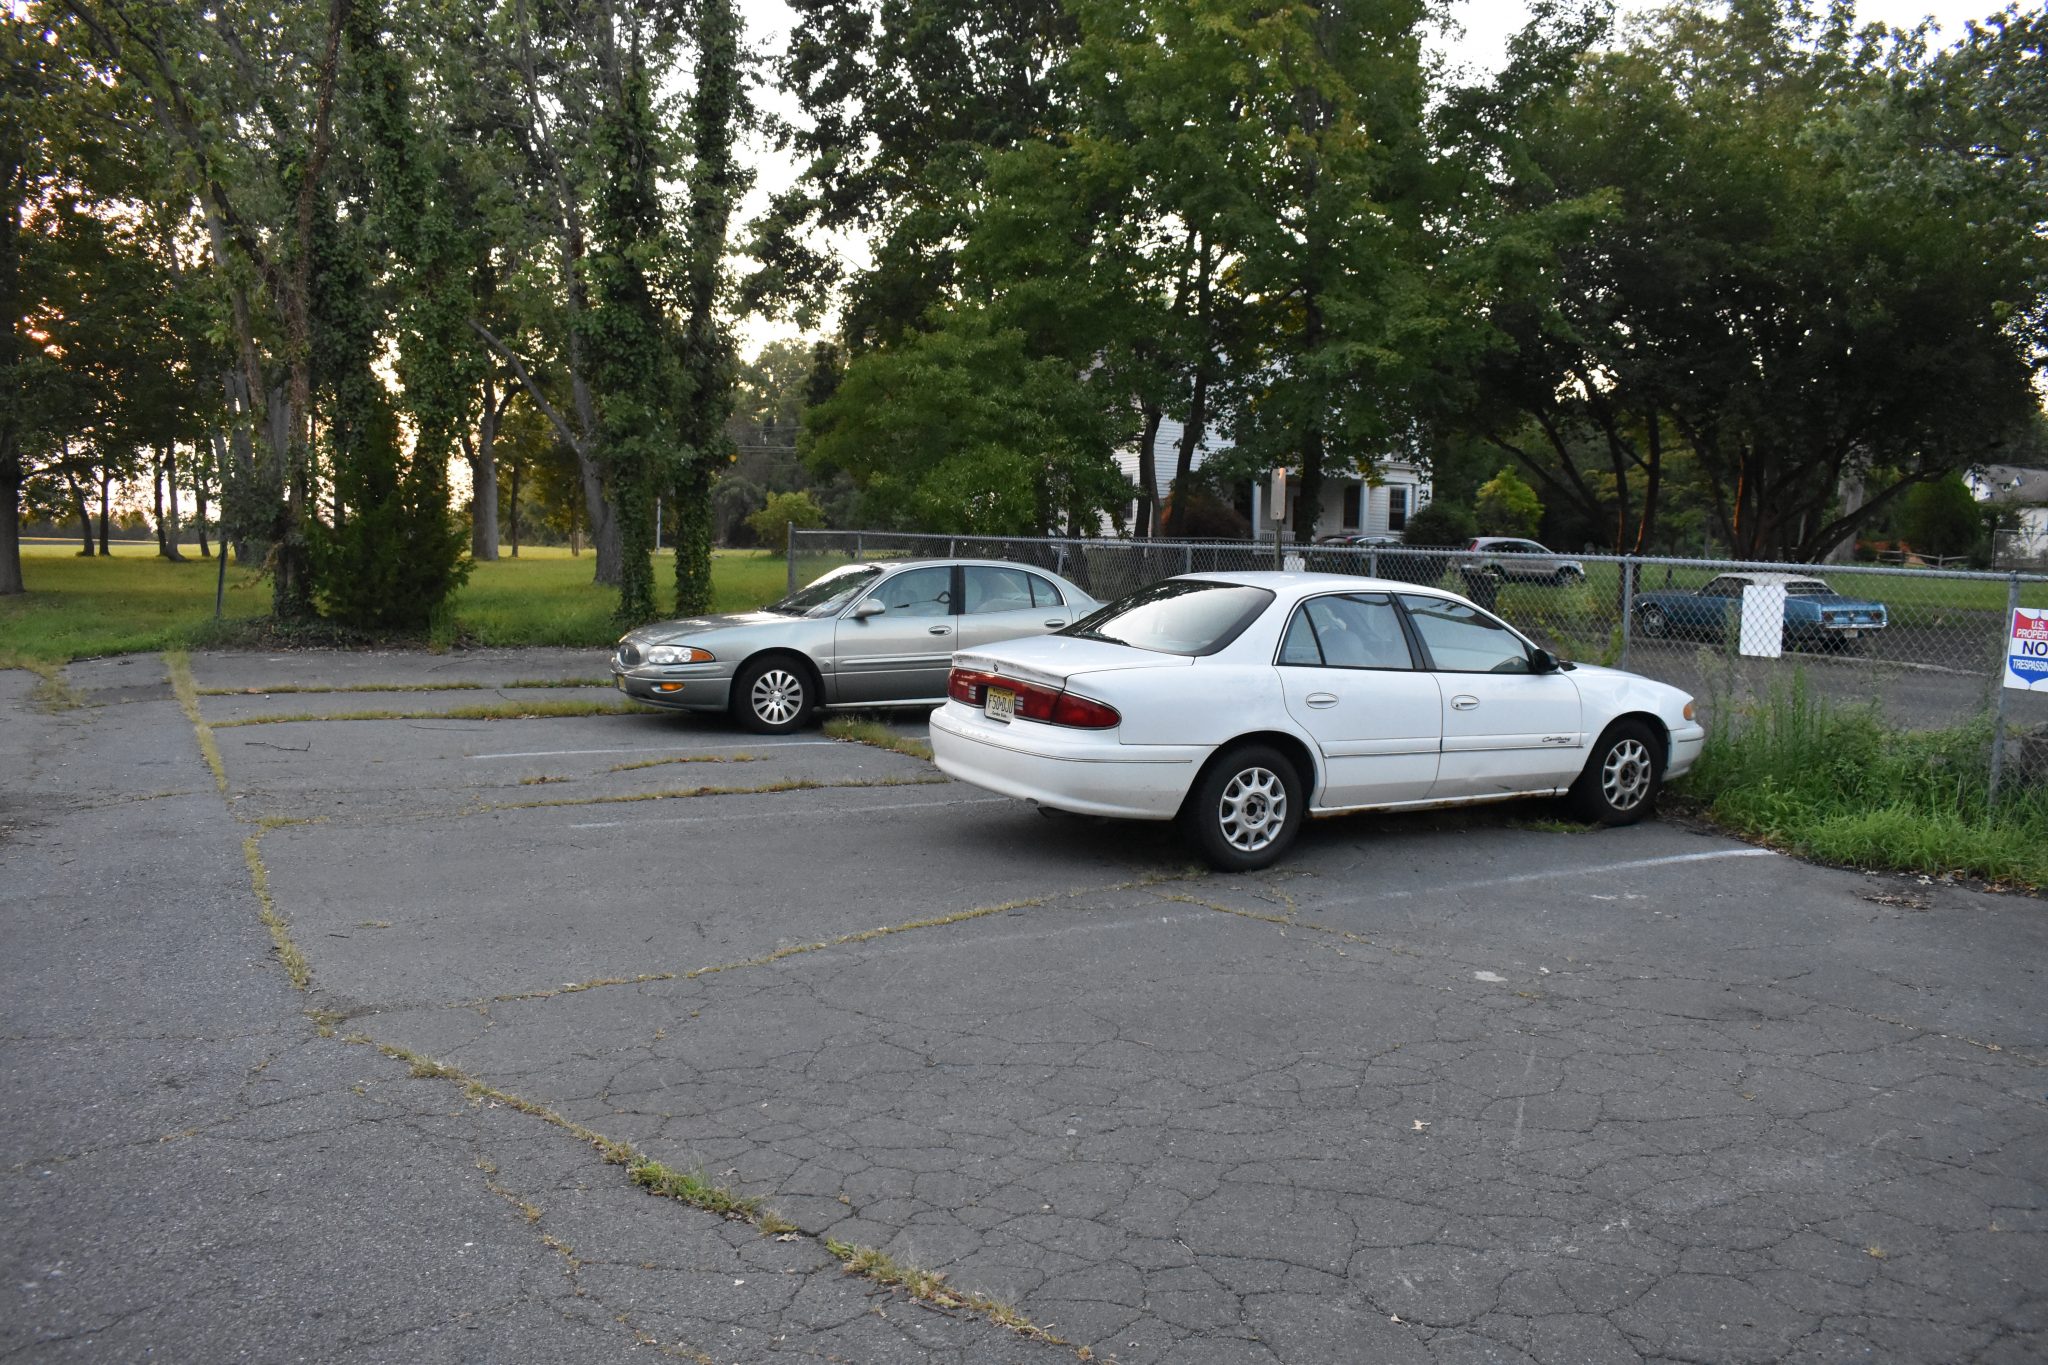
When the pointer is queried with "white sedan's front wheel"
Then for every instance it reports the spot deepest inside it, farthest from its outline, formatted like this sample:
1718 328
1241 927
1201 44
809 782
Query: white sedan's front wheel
1620 782
1245 809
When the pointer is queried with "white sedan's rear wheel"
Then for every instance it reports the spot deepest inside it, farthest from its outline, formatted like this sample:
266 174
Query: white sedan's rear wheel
1245 809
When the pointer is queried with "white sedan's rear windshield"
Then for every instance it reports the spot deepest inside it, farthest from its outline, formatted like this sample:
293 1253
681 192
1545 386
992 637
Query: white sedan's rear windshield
1179 616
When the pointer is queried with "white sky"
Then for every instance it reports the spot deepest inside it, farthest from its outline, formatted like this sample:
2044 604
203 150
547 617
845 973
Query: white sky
1487 25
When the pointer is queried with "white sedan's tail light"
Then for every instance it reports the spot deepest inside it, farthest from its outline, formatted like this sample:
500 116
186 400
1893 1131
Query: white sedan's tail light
1052 705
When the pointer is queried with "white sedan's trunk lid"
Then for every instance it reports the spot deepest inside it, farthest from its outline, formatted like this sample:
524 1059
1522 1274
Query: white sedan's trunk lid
1053 660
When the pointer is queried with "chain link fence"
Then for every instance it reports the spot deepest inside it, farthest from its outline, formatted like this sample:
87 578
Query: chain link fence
1926 645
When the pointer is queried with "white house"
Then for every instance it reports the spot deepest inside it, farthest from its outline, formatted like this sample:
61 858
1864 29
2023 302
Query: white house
2026 492
1349 505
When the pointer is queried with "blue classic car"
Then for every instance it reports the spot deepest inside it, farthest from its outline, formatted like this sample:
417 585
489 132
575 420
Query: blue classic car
1816 616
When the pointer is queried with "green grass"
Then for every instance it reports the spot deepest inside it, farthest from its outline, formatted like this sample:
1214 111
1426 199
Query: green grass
133 601
1840 784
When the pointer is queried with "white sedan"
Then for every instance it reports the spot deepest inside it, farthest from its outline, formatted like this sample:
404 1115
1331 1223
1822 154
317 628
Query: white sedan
1238 703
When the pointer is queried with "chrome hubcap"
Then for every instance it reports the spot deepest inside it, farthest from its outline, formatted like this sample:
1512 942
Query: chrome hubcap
1625 776
1253 809
778 696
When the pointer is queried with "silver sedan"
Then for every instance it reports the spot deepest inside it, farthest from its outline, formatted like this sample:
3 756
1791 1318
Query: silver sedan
862 635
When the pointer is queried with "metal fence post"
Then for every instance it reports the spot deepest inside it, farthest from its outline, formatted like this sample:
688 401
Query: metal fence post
859 547
1628 605
789 553
2012 602
1372 562
1187 559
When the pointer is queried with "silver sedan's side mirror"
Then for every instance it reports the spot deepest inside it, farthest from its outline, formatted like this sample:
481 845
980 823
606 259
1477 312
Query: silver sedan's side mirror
863 610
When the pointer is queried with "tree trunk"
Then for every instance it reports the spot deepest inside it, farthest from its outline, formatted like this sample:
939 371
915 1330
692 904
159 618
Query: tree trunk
156 499
1198 403
1307 502
11 584
483 474
199 498
84 509
106 485
512 512
1148 472
172 530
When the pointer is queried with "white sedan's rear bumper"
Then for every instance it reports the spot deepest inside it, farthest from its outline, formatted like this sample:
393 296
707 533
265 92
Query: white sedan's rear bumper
1085 771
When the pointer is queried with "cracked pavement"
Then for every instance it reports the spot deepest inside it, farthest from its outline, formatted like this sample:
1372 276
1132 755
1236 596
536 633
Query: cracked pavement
1440 1088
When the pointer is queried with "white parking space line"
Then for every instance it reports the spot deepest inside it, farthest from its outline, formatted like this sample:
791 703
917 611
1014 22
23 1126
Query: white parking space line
1598 870
665 749
756 815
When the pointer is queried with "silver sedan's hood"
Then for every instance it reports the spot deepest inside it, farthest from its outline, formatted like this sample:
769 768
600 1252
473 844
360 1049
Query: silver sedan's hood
695 627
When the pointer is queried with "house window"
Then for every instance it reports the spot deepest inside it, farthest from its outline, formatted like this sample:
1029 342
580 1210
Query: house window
1397 508
1352 500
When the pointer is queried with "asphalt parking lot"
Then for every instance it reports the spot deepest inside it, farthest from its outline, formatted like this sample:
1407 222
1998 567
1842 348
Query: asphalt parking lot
1443 1088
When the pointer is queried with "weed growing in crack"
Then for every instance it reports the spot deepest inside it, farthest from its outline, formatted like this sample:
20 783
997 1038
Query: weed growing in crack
693 1188
52 693
684 758
296 968
282 689
511 710
179 664
929 1286
877 735
794 784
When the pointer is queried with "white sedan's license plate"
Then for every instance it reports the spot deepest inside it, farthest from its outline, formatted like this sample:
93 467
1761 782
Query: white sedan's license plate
999 703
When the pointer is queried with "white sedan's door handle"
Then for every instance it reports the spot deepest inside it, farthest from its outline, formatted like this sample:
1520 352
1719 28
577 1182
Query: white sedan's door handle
1322 699
941 630
1464 703
1055 623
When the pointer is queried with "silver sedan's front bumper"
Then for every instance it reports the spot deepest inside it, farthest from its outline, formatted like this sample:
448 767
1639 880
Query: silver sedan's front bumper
676 687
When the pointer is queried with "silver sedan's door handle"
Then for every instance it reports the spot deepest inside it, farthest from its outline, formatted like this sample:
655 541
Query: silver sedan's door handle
1463 703
1321 699
941 630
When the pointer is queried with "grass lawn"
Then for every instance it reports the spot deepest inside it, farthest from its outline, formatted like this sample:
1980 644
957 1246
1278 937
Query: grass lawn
77 607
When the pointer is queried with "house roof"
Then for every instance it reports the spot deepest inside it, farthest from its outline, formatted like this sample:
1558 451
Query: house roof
2009 483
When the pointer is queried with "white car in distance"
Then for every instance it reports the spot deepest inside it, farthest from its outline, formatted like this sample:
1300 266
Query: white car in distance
1240 703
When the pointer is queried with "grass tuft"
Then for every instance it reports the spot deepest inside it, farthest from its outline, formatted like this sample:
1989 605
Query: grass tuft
1838 783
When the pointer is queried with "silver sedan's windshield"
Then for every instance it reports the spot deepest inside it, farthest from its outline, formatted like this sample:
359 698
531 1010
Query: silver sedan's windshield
829 595
1180 616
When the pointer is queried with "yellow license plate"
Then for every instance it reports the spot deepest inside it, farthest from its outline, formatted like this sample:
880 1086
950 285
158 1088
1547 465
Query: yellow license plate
999 703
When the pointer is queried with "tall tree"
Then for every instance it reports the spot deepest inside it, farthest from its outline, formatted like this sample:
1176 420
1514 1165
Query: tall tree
717 111
1776 242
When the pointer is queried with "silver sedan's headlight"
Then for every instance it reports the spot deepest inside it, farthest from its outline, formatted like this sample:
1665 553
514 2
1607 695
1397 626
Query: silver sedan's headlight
679 654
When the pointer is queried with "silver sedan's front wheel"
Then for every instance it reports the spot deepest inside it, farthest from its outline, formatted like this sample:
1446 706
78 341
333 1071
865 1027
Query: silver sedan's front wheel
1245 809
773 696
